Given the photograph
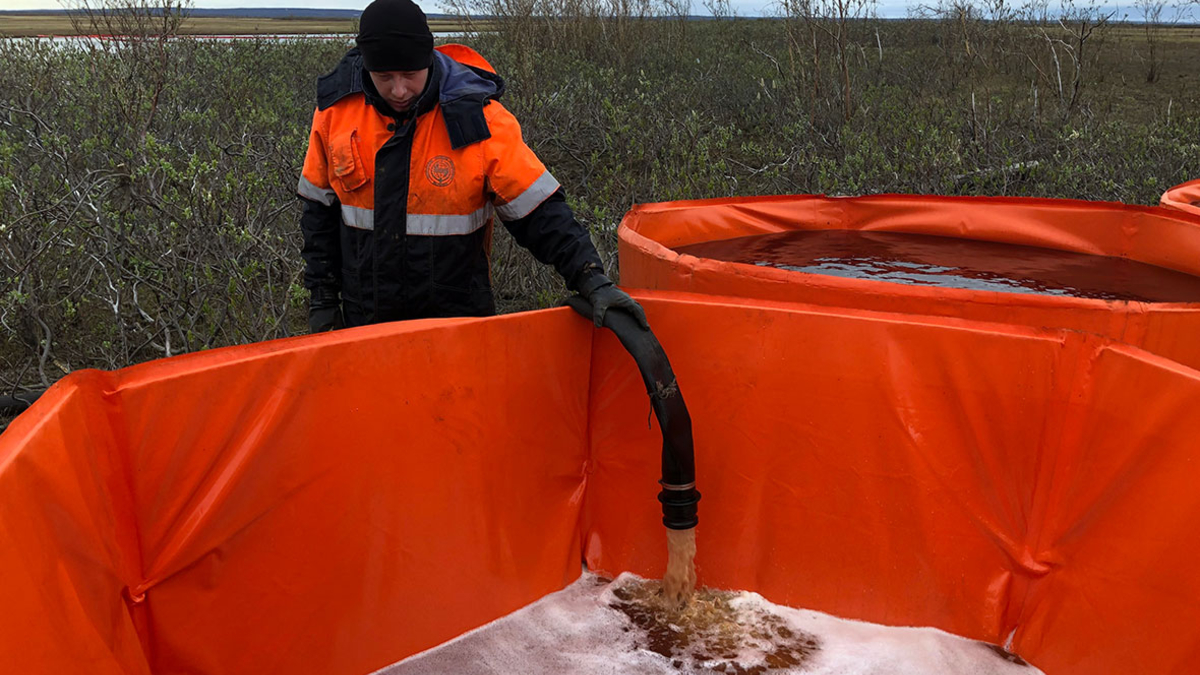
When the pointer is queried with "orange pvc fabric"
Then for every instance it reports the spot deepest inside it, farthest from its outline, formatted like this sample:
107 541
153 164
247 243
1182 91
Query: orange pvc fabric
314 505
987 479
336 503
1163 237
68 540
1184 197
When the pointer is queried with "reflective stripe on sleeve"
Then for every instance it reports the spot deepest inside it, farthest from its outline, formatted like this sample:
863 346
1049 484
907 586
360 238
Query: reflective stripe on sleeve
307 190
444 225
363 219
529 200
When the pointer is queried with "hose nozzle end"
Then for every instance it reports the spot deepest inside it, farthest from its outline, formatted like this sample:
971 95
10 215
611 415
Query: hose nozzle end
679 506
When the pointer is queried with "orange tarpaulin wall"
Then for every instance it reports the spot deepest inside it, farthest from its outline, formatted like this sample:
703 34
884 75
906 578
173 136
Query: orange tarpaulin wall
1163 237
324 505
981 478
335 503
1184 197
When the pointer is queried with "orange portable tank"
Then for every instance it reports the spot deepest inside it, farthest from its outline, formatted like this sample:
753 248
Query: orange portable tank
1184 197
335 503
650 235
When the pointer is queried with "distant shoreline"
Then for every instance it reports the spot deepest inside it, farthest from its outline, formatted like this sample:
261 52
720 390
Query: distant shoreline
60 24
252 12
294 21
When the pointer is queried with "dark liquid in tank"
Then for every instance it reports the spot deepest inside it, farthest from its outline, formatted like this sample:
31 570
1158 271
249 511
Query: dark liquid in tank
948 262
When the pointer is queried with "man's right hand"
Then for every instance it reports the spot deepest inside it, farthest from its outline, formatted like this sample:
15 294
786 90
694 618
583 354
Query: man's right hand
324 311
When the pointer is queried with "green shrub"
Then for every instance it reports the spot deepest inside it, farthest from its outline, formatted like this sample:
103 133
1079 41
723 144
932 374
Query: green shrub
147 201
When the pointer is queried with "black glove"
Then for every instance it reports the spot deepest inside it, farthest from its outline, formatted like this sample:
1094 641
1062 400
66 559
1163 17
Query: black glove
604 295
324 311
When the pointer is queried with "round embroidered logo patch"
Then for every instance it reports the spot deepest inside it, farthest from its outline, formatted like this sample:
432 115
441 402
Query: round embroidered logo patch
440 170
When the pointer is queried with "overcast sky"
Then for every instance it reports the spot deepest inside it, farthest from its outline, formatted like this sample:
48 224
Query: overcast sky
886 8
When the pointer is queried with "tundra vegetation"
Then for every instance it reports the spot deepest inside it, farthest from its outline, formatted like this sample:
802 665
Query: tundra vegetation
147 202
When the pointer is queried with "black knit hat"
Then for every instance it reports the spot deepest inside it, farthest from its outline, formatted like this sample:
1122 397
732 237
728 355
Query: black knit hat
393 35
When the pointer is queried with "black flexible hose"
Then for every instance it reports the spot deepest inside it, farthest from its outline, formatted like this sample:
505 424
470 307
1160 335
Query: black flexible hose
679 495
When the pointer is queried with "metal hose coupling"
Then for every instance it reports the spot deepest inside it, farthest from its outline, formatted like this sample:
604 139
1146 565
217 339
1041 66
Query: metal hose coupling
679 496
679 505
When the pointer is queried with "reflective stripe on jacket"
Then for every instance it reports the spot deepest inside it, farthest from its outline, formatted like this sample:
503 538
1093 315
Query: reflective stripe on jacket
399 209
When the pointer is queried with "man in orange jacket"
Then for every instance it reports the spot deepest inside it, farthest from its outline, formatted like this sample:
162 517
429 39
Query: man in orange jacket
409 157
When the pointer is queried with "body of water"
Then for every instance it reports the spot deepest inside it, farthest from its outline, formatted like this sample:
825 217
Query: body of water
69 40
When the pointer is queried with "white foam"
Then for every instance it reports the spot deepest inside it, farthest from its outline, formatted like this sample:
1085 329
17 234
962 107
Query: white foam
576 630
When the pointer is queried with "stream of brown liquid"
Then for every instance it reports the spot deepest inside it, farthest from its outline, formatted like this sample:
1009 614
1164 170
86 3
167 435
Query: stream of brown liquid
680 579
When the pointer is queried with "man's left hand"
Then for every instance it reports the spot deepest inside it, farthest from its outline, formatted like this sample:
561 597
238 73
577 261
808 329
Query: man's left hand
608 296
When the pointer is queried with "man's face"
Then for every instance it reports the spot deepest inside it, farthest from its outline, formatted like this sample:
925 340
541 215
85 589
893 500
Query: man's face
400 88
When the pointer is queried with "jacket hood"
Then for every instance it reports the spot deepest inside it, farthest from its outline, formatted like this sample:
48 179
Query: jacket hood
461 81
455 81
462 91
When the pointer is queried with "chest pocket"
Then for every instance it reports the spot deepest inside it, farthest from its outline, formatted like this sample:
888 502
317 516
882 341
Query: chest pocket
348 166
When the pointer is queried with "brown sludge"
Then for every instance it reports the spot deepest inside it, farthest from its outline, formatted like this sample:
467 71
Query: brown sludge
708 633
949 262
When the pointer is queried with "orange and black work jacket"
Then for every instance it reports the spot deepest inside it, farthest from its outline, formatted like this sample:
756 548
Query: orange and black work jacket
398 207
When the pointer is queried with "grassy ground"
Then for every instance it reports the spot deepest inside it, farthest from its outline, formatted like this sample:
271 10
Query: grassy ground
1123 63
30 25
147 187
